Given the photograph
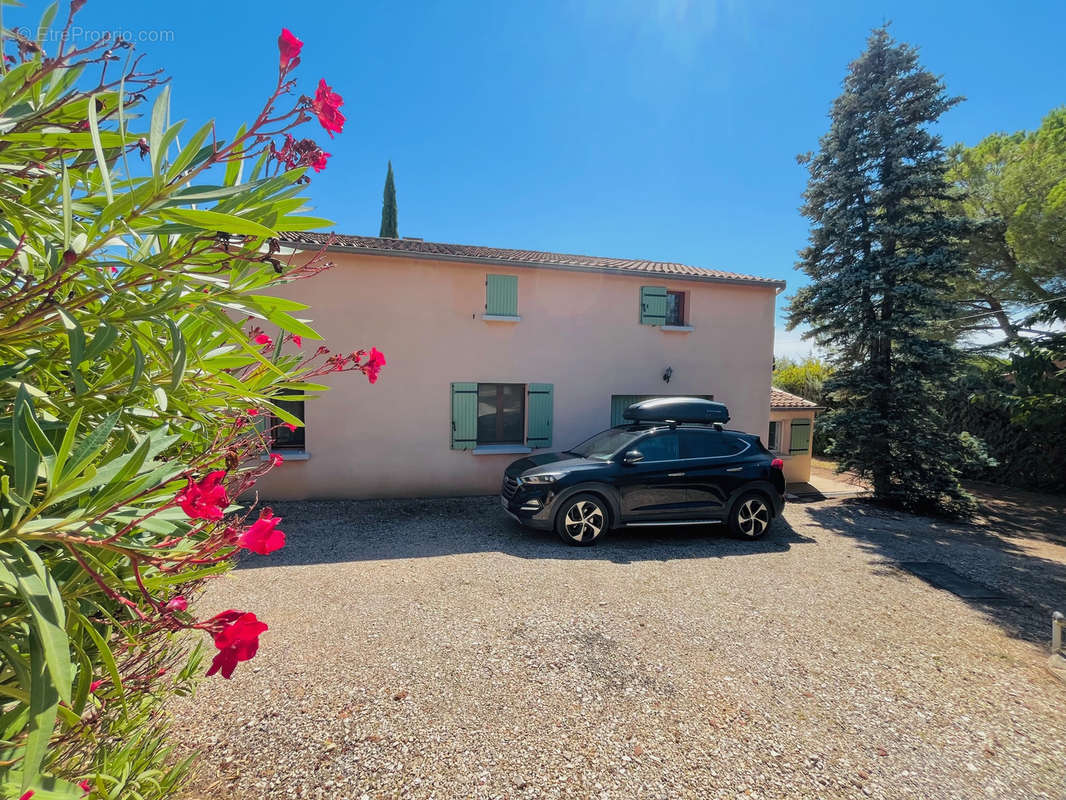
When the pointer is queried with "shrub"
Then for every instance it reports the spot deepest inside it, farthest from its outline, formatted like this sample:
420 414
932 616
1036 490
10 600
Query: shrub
143 363
1017 409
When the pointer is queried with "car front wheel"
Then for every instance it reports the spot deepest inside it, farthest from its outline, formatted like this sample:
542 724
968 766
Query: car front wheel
582 520
751 516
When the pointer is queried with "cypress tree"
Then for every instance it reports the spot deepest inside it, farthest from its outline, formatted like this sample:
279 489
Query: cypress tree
389 229
882 255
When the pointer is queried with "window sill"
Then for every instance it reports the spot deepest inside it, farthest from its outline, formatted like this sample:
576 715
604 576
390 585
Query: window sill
501 318
500 449
676 328
288 455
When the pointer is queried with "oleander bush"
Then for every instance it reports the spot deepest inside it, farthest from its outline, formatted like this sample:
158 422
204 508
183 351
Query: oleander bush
143 359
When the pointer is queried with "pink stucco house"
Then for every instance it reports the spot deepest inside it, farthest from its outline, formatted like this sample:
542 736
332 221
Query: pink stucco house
494 352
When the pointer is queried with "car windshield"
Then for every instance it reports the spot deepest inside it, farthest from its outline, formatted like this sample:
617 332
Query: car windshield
604 445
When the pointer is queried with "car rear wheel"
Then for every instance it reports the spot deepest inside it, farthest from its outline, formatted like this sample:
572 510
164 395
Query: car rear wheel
582 520
751 516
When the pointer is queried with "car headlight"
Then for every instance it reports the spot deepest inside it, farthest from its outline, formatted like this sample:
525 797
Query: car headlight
544 477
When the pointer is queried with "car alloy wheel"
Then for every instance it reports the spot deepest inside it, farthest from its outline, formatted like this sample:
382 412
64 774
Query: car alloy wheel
753 517
584 521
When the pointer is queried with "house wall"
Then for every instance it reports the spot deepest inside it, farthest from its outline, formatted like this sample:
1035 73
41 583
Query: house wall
578 331
797 465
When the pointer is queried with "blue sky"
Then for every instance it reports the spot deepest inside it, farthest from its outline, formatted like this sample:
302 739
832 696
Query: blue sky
660 129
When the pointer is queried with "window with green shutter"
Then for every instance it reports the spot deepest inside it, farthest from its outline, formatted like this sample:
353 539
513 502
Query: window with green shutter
652 305
501 412
464 416
799 436
501 295
539 415
771 439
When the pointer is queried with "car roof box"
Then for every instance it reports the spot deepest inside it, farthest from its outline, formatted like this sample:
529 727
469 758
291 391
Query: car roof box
677 409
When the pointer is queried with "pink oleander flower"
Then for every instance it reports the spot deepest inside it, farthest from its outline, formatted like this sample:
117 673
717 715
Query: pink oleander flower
252 412
237 639
373 365
289 48
85 786
288 425
206 499
326 106
263 536
276 459
94 686
318 162
264 340
177 603
296 340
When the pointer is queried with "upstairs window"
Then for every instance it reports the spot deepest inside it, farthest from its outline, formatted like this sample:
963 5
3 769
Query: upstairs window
663 308
501 413
501 295
675 309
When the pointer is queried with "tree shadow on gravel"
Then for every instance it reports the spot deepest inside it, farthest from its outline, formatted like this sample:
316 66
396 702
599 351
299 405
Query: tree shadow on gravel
335 531
998 556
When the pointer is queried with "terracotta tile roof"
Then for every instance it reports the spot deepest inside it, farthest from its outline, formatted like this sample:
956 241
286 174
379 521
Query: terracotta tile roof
783 399
528 258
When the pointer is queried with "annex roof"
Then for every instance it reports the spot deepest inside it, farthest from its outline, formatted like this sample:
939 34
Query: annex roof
781 399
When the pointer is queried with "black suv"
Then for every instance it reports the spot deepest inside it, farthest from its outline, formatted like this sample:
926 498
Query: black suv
673 464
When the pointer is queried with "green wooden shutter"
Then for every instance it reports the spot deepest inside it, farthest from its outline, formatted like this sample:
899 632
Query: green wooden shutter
501 295
652 305
539 419
799 436
464 416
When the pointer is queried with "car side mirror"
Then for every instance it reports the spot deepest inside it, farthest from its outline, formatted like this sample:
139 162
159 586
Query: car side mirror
632 457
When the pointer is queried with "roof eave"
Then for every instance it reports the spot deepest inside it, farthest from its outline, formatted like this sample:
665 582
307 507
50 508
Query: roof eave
506 262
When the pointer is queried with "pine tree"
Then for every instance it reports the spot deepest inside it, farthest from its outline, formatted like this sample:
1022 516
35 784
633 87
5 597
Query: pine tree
882 255
389 228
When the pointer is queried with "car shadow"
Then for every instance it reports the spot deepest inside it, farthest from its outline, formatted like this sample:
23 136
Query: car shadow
991 552
336 531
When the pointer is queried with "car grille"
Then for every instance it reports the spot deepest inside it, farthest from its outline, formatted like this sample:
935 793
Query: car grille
509 488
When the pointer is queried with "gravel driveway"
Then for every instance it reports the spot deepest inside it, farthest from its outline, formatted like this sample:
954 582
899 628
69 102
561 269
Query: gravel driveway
433 649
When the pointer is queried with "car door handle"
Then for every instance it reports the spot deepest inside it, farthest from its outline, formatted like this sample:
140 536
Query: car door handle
734 469
675 474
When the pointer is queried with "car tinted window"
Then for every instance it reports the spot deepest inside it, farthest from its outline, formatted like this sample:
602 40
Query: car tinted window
708 444
659 446
606 444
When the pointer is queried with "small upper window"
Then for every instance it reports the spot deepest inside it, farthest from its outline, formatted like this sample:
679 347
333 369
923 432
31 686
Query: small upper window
501 295
281 438
675 308
501 413
659 446
709 444
771 439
